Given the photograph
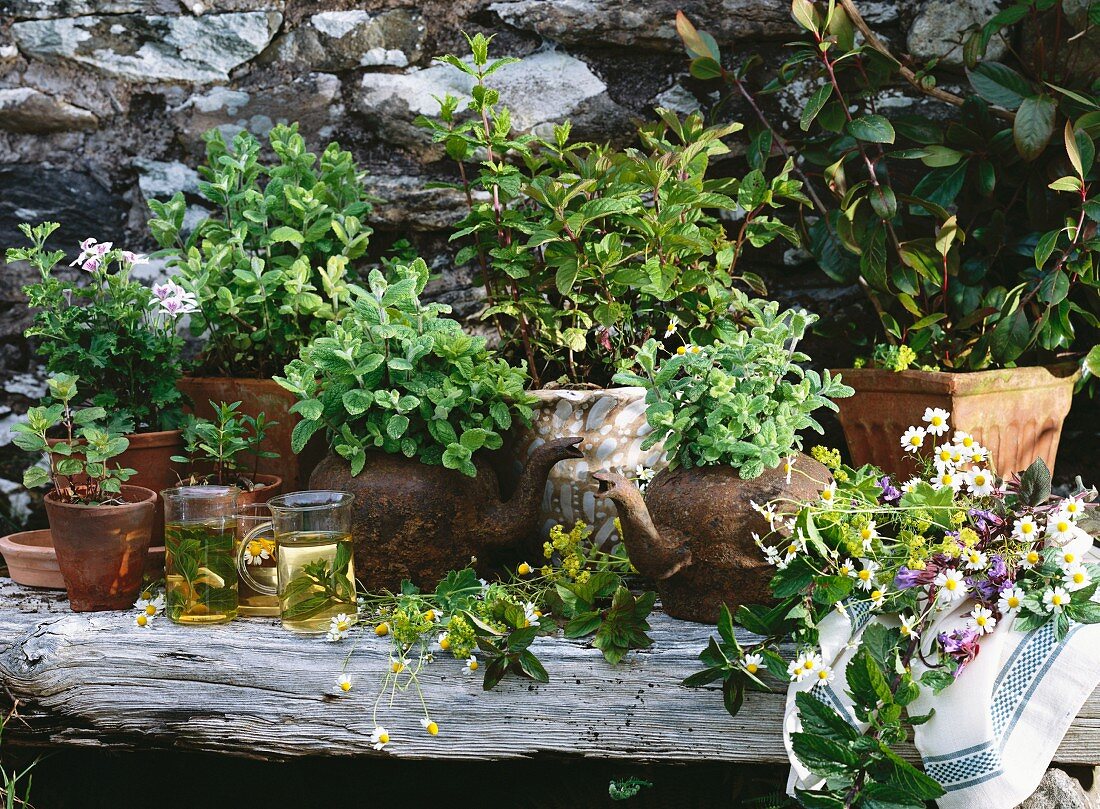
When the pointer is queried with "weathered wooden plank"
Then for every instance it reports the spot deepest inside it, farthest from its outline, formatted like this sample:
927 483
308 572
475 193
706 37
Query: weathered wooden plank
252 689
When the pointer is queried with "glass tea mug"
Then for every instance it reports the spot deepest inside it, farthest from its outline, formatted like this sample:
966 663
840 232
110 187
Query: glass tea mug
200 538
313 550
256 532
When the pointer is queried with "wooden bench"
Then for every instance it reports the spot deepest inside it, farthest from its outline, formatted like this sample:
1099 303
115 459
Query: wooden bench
252 689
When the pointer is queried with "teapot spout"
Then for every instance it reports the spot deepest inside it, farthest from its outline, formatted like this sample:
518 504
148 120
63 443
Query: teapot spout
653 555
511 521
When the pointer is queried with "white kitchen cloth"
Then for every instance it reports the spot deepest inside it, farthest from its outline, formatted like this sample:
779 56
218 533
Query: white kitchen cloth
996 728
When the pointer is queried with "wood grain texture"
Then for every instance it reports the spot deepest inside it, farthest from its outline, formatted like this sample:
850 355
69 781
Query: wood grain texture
252 689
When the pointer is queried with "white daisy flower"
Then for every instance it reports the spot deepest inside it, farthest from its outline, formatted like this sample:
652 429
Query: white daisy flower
867 535
1067 558
338 627
944 456
979 482
670 329
825 674
1029 559
471 665
1061 529
430 726
976 560
829 493
878 597
752 663
910 485
1076 577
794 670
767 511
936 418
909 627
151 606
255 553
846 568
788 466
865 578
1055 599
1025 528
951 584
531 614
979 456
144 620
981 620
772 556
380 738
344 681
1010 601
1073 506
964 440
841 609
913 439
947 478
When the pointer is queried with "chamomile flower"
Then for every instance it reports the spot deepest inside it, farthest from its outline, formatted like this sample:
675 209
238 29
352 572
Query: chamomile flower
144 620
811 662
531 614
1055 599
878 598
1076 577
1025 528
1067 558
947 478
825 674
913 439
944 456
1010 601
936 417
430 726
788 467
752 663
976 560
772 555
767 511
829 493
979 482
1061 529
952 585
444 641
255 553
964 440
979 455
1029 559
344 681
524 569
910 485
154 605
794 670
380 738
670 329
471 665
846 568
1073 506
981 620
841 609
867 535
909 627
338 627
865 578
398 664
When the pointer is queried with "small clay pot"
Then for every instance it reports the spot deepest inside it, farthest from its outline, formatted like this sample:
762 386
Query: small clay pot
266 487
101 550
32 560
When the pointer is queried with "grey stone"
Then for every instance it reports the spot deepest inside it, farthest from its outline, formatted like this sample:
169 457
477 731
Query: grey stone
407 205
52 9
312 100
24 109
1057 790
151 48
936 30
545 87
678 99
161 179
36 193
341 40
649 24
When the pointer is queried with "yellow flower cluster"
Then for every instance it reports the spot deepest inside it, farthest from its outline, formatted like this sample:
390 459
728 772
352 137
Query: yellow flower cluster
829 458
461 637
917 547
408 623
569 546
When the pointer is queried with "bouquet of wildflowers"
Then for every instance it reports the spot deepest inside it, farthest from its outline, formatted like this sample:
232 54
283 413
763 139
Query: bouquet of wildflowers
954 540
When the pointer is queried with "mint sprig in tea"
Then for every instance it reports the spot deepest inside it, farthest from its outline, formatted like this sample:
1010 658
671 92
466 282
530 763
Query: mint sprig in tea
200 538
316 578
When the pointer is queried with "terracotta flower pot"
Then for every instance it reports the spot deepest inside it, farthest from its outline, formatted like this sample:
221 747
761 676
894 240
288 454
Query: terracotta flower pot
32 560
612 424
1017 413
260 396
266 487
101 550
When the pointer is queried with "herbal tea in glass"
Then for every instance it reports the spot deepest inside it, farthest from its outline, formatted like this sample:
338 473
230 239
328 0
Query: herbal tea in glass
200 537
313 550
256 535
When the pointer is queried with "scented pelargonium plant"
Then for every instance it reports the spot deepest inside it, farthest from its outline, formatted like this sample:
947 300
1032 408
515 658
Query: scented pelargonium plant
741 400
934 564
112 331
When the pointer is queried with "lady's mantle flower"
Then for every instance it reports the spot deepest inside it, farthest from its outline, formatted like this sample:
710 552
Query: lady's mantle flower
936 417
752 663
1010 601
981 620
913 439
344 681
430 726
979 482
1055 599
471 664
380 738
338 627
1061 529
1025 528
909 627
865 578
952 585
1076 577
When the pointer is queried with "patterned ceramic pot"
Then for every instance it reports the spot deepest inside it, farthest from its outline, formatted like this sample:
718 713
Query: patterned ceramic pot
612 424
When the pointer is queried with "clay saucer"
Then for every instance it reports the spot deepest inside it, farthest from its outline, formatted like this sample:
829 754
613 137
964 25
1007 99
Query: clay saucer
32 562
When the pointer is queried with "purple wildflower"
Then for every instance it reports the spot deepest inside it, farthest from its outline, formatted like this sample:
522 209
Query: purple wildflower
961 645
890 493
907 578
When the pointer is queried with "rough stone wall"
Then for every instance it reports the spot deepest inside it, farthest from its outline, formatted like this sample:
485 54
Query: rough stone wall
103 102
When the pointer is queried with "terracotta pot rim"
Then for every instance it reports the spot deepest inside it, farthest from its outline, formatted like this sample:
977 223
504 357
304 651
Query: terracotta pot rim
10 544
1026 377
248 380
146 496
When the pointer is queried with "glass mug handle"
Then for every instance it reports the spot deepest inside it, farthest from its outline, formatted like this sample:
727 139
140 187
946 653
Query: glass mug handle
242 566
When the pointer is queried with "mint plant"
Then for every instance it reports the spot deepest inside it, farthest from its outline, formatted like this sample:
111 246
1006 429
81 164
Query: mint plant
740 401
395 376
226 449
79 469
586 251
271 268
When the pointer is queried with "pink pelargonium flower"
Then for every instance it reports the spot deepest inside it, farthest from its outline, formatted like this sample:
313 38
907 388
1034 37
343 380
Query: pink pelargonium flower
169 289
182 303
133 259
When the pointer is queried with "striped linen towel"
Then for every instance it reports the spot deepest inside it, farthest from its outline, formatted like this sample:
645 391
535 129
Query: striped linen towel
997 727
